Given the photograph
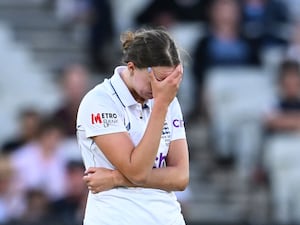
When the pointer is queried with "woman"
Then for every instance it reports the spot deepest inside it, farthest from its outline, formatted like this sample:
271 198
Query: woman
132 138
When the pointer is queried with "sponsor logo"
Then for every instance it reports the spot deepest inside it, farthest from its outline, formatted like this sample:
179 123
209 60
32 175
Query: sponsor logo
160 161
166 134
178 123
106 119
128 126
109 115
96 118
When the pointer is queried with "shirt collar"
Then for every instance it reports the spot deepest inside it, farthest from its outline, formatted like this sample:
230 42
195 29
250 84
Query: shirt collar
121 88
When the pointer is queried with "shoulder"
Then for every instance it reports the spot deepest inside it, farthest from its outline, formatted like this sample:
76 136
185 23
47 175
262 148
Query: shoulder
174 107
99 90
99 95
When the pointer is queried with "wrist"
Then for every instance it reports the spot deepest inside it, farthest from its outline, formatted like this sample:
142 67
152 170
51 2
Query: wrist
161 106
117 178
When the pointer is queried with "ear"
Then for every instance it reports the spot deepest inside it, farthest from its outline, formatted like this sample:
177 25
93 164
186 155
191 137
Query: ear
131 67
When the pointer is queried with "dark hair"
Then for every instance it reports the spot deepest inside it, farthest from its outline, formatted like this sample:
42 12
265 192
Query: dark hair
49 124
74 164
29 112
149 47
287 67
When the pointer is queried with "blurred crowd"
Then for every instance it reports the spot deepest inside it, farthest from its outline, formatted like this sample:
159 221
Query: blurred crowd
242 82
41 169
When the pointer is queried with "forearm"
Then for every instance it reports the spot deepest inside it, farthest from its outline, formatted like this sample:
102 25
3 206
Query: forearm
143 156
284 123
167 178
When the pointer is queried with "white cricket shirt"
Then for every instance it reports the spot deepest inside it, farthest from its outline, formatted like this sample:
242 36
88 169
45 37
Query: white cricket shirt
110 108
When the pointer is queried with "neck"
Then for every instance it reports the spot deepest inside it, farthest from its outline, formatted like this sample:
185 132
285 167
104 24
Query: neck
127 78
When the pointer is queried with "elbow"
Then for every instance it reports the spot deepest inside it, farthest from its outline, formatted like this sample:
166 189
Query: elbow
184 182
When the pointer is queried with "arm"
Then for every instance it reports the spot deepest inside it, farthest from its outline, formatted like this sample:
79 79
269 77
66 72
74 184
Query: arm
284 122
174 177
135 163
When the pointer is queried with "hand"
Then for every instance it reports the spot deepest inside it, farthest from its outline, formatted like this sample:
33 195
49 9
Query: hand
164 91
99 179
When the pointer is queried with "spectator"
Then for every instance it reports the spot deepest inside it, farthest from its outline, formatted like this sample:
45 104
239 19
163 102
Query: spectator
70 209
74 83
39 164
264 19
11 204
282 156
166 13
37 209
101 32
223 45
285 115
92 24
29 123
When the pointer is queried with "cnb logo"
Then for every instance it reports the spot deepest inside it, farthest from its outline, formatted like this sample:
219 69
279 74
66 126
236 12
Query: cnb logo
178 123
96 118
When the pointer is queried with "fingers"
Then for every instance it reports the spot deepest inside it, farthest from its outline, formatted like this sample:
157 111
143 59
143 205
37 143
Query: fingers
152 75
176 74
87 180
90 170
93 190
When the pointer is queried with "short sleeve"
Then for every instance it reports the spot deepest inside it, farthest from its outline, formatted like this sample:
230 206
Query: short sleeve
176 120
99 115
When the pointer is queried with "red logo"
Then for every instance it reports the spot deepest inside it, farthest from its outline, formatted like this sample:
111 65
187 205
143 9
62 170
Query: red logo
96 118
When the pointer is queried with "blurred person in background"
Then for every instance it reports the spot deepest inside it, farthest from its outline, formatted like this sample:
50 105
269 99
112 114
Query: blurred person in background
282 148
11 199
166 13
101 31
29 120
39 164
284 116
70 209
224 44
92 25
74 82
38 210
265 20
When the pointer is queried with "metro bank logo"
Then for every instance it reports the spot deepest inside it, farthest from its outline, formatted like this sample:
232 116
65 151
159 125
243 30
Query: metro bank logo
96 118
105 119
